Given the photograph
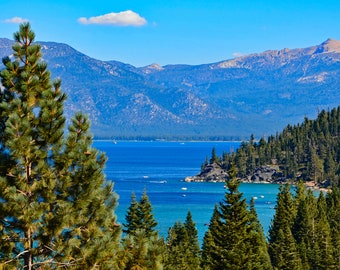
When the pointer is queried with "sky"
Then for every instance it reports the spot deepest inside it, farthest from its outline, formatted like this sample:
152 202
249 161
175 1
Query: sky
174 31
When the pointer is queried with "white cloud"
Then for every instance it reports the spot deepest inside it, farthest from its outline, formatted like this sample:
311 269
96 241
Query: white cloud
124 18
16 20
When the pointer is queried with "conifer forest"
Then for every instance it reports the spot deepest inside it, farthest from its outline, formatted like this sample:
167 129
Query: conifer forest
57 211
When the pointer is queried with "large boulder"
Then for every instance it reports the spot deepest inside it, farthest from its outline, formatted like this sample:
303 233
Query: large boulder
266 174
210 173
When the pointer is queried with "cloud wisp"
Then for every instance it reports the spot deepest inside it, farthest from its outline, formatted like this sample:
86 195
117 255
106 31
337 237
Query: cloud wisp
124 18
17 20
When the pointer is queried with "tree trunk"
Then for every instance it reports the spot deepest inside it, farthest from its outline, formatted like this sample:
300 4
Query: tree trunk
28 257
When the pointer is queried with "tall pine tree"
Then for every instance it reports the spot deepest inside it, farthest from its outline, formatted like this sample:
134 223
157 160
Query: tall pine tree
183 250
56 209
194 248
282 246
142 248
322 246
140 216
333 213
230 242
304 229
209 248
258 245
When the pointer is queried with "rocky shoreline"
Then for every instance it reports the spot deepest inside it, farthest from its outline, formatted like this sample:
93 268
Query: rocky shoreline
266 174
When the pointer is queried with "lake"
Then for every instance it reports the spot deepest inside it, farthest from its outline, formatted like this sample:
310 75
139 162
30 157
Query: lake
160 168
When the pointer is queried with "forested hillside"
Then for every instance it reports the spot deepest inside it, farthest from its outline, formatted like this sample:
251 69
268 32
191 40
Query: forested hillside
309 152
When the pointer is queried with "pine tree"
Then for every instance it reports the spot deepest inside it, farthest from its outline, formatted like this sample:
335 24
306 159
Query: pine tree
140 217
194 248
142 248
232 234
282 246
183 250
322 246
56 209
304 226
333 214
146 217
214 158
140 251
178 250
132 216
209 247
258 245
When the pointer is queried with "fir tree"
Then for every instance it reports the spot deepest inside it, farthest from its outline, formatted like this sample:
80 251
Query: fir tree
141 251
140 216
178 250
56 209
322 246
132 216
141 247
183 250
229 242
258 245
333 214
194 248
282 246
209 247
146 217
304 227
214 158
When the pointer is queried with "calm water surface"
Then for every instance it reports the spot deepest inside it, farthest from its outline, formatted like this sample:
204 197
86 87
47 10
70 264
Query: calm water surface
160 167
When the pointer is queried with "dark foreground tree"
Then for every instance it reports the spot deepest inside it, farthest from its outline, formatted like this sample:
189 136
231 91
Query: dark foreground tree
232 240
258 245
141 251
140 217
142 248
56 209
194 247
183 251
282 246
333 213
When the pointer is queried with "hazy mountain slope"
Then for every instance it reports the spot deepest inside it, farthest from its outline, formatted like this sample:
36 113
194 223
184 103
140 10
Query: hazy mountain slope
258 93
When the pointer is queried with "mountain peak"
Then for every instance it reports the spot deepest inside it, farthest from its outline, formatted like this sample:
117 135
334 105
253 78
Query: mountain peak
152 68
330 45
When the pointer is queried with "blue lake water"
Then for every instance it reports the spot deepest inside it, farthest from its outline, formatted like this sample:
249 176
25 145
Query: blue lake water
160 168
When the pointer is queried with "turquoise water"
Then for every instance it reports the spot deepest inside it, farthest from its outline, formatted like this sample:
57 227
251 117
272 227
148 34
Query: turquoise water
160 168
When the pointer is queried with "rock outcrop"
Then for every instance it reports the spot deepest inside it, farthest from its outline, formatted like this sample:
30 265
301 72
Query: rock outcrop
215 173
266 174
210 173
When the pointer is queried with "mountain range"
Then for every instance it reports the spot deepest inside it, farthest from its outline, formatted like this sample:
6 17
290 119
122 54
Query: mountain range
253 94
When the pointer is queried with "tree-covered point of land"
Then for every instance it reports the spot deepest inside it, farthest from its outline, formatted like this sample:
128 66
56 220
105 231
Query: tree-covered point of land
303 152
56 209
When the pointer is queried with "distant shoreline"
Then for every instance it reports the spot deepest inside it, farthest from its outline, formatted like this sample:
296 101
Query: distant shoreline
179 141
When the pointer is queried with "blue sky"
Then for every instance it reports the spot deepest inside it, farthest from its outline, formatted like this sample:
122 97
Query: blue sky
176 31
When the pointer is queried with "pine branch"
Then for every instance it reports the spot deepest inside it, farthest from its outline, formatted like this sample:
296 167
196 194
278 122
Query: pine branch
16 257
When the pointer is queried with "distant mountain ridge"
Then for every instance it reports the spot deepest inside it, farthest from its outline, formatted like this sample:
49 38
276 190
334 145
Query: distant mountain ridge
257 93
